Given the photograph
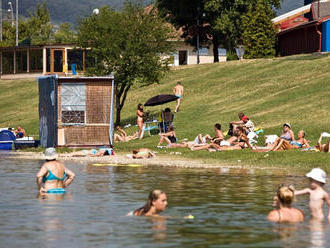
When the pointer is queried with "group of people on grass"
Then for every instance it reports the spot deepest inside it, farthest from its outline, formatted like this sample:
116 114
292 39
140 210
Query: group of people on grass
241 133
53 177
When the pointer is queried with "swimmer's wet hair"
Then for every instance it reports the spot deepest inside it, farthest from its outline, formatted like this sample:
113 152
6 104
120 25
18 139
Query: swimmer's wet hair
153 196
285 194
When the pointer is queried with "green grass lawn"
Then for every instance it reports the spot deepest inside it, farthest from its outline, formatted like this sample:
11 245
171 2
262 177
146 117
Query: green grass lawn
270 91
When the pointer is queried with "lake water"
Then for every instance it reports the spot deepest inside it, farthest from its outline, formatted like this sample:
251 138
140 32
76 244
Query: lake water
230 209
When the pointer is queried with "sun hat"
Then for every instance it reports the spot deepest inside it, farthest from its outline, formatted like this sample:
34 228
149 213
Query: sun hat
287 124
317 174
50 154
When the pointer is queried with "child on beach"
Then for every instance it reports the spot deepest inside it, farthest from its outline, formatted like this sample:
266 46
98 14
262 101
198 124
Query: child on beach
317 195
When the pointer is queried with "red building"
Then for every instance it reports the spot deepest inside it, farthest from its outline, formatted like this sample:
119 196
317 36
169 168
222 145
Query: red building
308 36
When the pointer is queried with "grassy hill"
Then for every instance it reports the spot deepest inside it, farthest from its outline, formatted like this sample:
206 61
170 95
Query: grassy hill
270 91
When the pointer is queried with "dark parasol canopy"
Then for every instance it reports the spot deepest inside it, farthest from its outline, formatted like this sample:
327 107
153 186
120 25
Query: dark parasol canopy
160 99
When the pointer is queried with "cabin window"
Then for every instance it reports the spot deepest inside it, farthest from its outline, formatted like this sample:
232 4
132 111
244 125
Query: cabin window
36 58
75 56
73 103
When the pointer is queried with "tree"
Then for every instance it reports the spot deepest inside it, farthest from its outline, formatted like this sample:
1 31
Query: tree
193 19
34 30
133 44
65 34
40 29
228 17
259 34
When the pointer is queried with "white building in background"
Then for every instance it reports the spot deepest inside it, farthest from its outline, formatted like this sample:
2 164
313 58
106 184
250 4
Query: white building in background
187 55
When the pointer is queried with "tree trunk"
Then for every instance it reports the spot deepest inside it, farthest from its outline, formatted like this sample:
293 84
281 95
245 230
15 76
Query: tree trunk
118 110
121 95
215 49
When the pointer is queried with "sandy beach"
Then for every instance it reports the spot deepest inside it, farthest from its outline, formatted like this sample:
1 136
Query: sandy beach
171 160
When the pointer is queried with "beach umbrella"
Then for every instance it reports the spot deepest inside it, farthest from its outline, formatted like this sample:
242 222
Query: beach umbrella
160 99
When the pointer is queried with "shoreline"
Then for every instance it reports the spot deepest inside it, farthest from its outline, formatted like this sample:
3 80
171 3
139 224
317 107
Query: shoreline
160 161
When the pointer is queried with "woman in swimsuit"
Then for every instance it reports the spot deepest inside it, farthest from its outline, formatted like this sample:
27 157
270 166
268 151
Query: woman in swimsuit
323 147
156 203
143 153
53 177
139 121
121 136
287 134
170 139
284 212
283 144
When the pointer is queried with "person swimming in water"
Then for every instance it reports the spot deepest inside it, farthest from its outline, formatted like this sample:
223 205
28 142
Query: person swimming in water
156 203
317 195
53 177
284 212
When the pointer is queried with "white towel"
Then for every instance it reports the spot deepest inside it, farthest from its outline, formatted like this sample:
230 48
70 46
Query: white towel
325 135
270 139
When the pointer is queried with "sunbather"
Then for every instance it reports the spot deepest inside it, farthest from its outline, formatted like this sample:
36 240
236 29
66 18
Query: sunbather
244 122
201 140
170 139
20 132
283 144
323 147
90 153
237 142
143 153
121 136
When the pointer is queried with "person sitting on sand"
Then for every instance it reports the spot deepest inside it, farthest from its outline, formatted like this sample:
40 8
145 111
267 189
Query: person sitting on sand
20 132
156 203
323 147
284 212
237 142
317 195
245 122
91 153
53 177
121 136
283 144
170 139
143 153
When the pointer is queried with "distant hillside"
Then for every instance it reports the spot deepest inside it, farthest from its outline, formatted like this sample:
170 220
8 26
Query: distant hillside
288 5
70 11
64 10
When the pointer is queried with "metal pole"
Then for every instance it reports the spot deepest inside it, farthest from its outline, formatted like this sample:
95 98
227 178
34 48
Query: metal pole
198 41
12 13
0 20
16 22
111 113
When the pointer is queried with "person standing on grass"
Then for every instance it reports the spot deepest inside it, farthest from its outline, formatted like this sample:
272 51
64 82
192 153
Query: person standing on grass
139 120
178 91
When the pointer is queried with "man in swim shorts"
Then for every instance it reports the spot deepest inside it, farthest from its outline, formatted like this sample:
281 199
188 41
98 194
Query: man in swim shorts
20 132
178 91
